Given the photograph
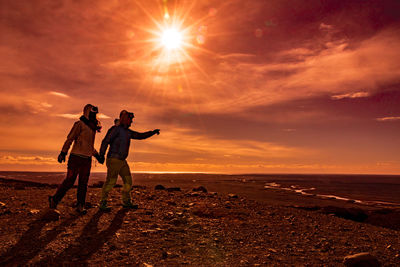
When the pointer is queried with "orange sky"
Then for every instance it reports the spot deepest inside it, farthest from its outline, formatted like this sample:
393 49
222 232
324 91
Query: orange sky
258 86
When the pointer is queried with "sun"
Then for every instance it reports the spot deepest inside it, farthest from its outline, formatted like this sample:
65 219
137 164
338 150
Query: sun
171 39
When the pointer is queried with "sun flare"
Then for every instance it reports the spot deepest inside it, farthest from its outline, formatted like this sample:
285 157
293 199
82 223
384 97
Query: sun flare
171 39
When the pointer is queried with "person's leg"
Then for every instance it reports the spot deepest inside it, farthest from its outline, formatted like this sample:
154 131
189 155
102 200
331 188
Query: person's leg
113 168
84 172
69 181
126 176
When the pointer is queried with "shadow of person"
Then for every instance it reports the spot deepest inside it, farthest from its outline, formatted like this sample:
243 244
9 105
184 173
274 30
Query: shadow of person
90 241
31 242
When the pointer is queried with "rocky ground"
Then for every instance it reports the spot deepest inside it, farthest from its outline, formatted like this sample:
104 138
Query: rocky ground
174 228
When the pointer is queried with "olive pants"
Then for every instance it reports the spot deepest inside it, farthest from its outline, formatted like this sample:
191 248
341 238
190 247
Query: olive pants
117 167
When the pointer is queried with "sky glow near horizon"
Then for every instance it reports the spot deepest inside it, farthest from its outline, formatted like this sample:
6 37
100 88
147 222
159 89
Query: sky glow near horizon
252 87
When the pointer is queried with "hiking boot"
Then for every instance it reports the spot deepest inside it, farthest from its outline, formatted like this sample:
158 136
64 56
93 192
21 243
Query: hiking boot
81 209
129 205
103 206
52 203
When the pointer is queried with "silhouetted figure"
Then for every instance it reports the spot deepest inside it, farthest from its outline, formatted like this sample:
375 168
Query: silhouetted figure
119 138
80 159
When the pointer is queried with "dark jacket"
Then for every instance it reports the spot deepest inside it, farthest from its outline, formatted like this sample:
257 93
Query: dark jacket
119 139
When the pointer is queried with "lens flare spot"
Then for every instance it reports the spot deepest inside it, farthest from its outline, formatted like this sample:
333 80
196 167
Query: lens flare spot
200 39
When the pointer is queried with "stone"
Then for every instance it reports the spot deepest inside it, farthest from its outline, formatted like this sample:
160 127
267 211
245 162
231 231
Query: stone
164 255
232 196
361 260
159 187
354 214
51 215
99 184
34 211
200 189
172 189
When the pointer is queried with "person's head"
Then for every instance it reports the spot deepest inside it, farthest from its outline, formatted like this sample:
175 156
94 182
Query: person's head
90 112
125 118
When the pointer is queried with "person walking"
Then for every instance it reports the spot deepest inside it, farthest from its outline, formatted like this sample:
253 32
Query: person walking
82 135
118 138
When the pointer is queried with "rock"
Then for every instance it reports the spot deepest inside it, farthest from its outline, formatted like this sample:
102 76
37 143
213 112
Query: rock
164 255
5 211
179 221
2 204
232 196
172 189
195 226
172 203
99 184
51 215
353 214
361 260
34 211
159 187
200 189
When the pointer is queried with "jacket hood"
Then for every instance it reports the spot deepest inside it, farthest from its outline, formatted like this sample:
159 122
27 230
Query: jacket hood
86 110
93 123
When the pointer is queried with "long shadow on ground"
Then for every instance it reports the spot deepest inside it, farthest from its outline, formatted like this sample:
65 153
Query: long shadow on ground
90 241
30 243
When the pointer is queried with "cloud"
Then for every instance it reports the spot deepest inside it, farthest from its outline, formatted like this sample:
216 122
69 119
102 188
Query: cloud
326 27
187 146
59 94
78 115
27 160
351 95
337 68
388 119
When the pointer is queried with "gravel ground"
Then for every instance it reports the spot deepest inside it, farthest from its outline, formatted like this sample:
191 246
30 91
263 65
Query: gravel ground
179 228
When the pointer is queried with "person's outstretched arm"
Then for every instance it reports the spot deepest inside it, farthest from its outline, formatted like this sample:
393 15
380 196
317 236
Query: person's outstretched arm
140 136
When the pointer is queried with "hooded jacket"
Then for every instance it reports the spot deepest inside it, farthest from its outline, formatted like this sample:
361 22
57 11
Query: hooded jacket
119 138
82 135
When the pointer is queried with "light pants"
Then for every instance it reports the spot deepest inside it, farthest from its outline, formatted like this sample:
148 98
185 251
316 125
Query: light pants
117 167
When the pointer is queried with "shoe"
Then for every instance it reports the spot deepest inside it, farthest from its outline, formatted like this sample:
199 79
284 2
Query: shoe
52 203
103 206
129 205
81 209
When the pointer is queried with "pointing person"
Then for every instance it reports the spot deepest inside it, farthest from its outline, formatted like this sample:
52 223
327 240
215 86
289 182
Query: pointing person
118 138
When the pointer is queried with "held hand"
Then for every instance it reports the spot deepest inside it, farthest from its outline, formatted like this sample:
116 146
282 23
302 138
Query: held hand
99 158
61 157
157 131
